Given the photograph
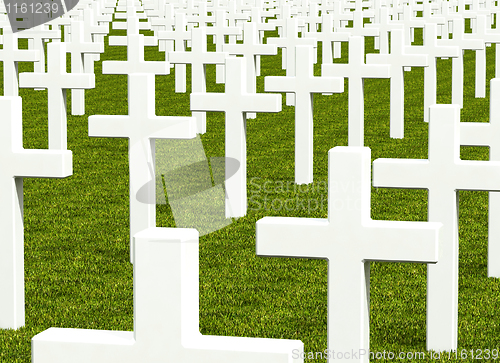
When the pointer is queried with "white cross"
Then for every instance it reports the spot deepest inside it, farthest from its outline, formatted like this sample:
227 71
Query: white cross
435 50
290 42
135 62
410 23
432 18
198 57
201 18
258 18
401 56
442 175
340 16
37 36
220 30
18 163
164 22
304 85
141 126
235 102
358 28
349 239
57 81
179 36
78 47
481 35
250 49
235 16
385 26
10 55
327 36
285 12
490 36
486 134
166 317
459 40
133 25
356 71
92 33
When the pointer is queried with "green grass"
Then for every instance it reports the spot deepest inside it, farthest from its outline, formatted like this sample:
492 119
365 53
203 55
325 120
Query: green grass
77 268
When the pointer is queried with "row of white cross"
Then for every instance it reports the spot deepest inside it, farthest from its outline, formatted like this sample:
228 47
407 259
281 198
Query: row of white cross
346 238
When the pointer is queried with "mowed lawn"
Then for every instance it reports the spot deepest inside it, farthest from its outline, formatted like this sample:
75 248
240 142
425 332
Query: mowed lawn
77 268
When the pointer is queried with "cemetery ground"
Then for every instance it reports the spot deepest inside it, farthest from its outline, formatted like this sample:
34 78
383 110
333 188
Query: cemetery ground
77 264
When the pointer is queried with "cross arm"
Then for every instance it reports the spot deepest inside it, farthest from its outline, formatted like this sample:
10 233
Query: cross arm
400 173
402 241
171 127
33 163
90 48
376 71
292 237
180 57
259 49
28 56
121 40
31 79
475 134
335 70
401 60
124 67
262 103
486 175
470 41
78 81
327 84
378 59
280 84
108 126
279 42
208 102
450 51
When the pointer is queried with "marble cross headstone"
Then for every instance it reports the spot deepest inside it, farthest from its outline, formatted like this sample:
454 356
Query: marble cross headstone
304 85
78 47
481 35
385 26
349 239
18 163
356 71
486 134
220 30
399 58
179 36
57 81
235 102
37 37
442 174
166 317
459 40
135 62
290 42
141 126
10 55
250 49
434 50
198 57
327 37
